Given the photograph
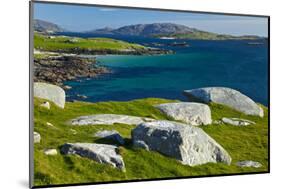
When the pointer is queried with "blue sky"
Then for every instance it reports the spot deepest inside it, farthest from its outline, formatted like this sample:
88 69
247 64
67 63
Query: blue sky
83 18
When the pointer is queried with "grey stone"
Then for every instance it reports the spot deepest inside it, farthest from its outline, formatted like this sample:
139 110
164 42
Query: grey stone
46 105
114 135
188 112
237 121
108 119
101 153
249 163
50 92
50 152
36 137
225 96
217 122
188 144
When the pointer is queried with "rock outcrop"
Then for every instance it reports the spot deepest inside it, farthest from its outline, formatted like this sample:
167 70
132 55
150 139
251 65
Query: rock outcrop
101 153
250 163
108 119
36 137
188 144
50 92
225 96
237 121
188 112
112 135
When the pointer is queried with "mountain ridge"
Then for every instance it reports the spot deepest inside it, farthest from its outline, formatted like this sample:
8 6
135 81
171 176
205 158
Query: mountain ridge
156 30
46 26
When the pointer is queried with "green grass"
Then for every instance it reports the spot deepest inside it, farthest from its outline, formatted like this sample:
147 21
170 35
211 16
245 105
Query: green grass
70 44
242 143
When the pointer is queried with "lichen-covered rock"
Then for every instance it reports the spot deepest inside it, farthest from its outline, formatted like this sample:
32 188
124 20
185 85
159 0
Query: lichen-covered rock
225 96
101 153
237 121
250 163
108 119
188 112
188 144
50 92
113 135
36 137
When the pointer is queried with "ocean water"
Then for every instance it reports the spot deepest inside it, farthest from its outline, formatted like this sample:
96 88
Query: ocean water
234 64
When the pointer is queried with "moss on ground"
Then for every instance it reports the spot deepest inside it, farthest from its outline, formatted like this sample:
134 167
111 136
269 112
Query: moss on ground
242 143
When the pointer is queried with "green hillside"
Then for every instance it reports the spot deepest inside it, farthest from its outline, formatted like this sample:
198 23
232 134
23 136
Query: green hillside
242 143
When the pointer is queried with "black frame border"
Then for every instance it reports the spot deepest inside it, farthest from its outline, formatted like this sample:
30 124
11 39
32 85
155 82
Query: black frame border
31 104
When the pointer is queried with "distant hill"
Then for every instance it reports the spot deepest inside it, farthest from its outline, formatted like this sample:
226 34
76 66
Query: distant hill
170 30
46 27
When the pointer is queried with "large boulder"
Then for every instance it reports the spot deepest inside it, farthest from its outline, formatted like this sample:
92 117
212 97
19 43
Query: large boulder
188 112
101 153
188 144
108 119
50 92
112 135
225 96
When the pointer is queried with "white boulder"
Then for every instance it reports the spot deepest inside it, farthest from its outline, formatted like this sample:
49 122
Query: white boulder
108 119
50 92
101 153
188 112
188 144
225 96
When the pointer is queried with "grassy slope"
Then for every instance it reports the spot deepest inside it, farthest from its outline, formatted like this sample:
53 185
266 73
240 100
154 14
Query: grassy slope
242 143
69 43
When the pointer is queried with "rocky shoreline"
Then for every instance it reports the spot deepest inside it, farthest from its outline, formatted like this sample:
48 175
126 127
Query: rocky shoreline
59 68
134 51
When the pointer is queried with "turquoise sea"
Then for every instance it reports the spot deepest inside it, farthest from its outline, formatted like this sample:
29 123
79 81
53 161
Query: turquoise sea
235 64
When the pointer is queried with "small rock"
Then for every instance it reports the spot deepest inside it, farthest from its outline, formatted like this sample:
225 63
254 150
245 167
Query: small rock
237 121
109 119
217 122
114 135
36 137
49 124
82 96
67 87
101 153
188 112
250 163
188 144
46 105
50 152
